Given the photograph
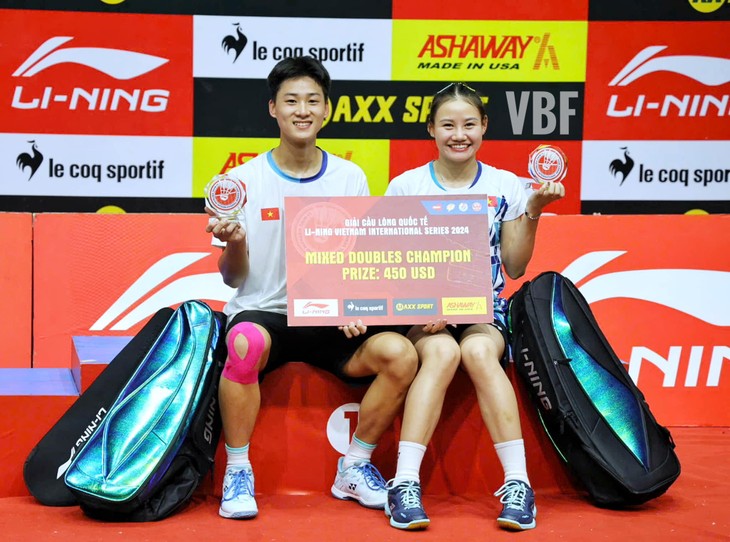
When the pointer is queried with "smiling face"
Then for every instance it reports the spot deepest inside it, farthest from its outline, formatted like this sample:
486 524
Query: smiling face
458 128
300 109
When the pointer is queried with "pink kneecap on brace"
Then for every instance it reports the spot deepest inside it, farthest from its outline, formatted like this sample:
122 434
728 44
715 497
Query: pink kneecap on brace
243 370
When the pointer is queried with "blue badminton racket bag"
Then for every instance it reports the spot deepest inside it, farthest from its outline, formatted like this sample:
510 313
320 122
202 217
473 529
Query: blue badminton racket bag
47 463
160 435
595 416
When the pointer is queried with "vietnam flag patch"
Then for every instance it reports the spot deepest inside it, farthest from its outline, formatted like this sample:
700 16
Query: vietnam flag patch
270 213
492 201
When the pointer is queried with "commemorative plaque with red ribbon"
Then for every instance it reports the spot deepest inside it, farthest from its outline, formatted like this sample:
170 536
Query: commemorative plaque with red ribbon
547 163
225 196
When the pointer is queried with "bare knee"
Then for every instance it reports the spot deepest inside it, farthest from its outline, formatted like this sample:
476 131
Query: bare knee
441 348
395 356
481 359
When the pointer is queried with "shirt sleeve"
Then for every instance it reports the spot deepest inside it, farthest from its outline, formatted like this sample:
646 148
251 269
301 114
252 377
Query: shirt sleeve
517 199
364 187
395 188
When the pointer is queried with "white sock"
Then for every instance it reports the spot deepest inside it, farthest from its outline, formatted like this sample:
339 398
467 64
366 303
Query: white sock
237 457
358 451
410 456
512 456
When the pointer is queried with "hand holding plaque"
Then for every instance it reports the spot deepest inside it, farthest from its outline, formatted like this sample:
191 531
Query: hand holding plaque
225 197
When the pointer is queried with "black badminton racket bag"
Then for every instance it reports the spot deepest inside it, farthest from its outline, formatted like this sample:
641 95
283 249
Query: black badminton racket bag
595 416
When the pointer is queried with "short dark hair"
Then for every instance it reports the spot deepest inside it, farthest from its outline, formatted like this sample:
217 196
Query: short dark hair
295 67
452 92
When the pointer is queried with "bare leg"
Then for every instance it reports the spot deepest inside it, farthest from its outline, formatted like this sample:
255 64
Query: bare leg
393 359
481 349
240 403
439 355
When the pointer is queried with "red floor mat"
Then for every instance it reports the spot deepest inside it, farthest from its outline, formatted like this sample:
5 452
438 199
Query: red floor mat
695 508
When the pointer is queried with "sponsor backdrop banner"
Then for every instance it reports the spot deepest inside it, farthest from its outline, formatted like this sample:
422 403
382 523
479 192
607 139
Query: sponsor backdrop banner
664 311
393 109
581 70
70 165
16 294
249 47
677 171
659 98
660 81
545 51
68 73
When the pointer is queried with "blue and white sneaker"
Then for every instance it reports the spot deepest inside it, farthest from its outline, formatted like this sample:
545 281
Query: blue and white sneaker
362 483
405 509
238 500
519 510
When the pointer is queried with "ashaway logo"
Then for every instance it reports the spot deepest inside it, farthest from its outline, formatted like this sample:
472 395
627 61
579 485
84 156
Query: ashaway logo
32 160
486 52
706 70
115 63
707 302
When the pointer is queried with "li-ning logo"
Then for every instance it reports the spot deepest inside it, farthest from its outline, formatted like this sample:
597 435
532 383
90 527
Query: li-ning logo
26 160
311 305
81 440
650 285
116 63
315 307
209 420
534 378
235 43
707 70
623 167
706 304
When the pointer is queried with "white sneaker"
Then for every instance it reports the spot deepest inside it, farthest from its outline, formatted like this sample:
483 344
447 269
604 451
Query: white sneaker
362 483
238 500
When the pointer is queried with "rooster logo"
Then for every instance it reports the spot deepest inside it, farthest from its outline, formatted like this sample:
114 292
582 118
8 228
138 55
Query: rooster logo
235 43
33 162
624 168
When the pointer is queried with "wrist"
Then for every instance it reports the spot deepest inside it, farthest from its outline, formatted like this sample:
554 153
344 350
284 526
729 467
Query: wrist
531 216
